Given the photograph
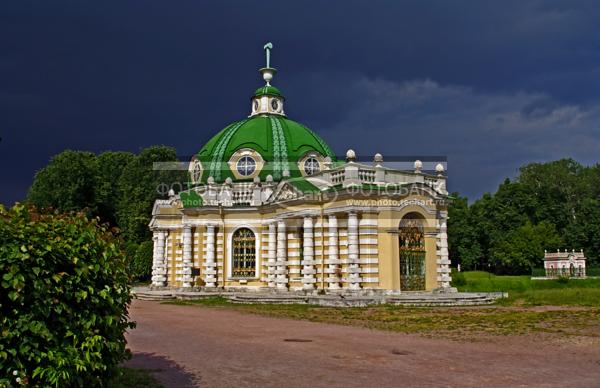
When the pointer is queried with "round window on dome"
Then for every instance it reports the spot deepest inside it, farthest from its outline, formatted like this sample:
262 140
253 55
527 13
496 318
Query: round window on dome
275 104
255 105
246 166
311 166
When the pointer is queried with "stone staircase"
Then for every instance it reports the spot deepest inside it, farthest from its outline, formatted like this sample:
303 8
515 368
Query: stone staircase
409 299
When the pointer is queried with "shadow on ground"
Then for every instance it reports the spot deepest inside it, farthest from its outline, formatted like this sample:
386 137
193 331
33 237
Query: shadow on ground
166 371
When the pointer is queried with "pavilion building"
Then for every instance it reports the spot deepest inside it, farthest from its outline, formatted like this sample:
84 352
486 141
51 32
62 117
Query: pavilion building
270 207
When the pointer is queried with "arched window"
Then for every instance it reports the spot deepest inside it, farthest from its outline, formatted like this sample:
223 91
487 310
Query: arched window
244 254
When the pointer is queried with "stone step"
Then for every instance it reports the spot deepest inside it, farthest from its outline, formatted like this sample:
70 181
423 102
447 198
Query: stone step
410 299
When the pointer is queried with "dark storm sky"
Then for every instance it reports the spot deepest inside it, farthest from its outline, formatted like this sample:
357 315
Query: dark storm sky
490 84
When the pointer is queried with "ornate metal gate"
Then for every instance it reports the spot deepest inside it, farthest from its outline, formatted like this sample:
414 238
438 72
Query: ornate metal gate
412 255
244 254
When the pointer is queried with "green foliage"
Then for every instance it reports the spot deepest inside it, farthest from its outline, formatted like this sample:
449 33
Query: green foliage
139 185
63 300
458 279
522 248
67 183
110 168
118 187
548 206
140 268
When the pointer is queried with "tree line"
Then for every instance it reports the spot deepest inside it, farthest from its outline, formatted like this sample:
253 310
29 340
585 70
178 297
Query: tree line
554 205
119 188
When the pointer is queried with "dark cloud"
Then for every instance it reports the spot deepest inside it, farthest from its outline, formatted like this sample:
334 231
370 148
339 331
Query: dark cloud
490 84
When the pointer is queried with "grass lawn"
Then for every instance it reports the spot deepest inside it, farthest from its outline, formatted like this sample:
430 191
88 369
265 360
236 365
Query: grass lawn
458 323
551 308
524 291
133 378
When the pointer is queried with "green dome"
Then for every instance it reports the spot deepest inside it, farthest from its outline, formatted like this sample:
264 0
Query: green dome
281 143
268 90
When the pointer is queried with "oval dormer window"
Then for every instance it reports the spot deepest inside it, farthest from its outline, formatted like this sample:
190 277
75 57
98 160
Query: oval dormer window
275 104
311 166
196 171
246 166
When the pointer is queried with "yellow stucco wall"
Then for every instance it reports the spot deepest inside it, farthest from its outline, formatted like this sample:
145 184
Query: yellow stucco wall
382 245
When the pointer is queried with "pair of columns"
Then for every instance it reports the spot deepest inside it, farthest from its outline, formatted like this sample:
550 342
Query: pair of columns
277 274
277 256
159 263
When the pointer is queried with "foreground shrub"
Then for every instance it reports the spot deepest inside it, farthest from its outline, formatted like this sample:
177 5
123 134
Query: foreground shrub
63 299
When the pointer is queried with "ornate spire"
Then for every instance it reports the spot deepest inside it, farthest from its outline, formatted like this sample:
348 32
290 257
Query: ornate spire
267 99
268 72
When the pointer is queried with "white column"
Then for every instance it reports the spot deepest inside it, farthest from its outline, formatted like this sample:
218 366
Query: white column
308 270
443 260
333 262
158 269
281 271
187 256
353 252
209 264
272 255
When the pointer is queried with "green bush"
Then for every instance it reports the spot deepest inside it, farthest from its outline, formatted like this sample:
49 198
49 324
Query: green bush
130 250
63 299
140 268
458 279
592 271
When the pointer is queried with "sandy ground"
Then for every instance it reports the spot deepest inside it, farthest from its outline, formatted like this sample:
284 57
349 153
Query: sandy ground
188 346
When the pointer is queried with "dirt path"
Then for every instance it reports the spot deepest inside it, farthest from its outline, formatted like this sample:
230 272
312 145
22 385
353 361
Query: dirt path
201 346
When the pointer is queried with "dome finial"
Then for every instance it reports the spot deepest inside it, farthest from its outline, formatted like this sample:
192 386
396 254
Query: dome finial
268 72
268 47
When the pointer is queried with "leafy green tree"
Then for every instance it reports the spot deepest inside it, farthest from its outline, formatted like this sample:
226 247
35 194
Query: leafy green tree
585 232
523 248
558 187
110 167
463 236
67 183
63 300
140 267
562 193
118 187
139 185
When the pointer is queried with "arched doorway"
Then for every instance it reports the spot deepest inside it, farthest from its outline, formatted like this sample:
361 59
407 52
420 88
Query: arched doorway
243 263
411 240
